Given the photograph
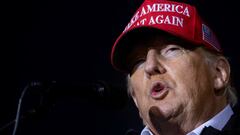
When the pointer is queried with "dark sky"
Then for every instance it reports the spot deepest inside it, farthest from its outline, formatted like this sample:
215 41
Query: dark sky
70 41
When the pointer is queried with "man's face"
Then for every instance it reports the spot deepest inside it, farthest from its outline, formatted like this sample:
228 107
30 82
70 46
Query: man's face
176 81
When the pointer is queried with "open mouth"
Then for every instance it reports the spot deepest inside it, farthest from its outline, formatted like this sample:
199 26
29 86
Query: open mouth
158 90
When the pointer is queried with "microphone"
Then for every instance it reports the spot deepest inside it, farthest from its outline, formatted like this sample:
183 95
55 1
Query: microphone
40 96
99 92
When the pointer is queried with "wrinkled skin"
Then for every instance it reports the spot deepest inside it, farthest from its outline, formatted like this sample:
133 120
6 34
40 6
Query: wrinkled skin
190 85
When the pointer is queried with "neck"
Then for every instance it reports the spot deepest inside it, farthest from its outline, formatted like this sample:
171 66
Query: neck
184 124
168 129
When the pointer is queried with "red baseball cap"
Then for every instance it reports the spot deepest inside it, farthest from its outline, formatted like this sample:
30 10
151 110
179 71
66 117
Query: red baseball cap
177 19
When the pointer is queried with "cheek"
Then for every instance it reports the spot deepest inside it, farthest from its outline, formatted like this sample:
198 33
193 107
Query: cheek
140 93
137 81
193 80
138 85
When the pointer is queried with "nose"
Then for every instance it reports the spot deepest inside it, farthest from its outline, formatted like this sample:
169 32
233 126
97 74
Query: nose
153 65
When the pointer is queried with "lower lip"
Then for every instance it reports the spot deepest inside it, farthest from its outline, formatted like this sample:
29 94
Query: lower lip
160 94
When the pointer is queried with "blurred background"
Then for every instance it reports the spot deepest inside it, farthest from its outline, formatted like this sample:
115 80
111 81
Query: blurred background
69 42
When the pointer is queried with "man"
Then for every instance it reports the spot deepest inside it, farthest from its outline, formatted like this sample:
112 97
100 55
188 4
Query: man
177 74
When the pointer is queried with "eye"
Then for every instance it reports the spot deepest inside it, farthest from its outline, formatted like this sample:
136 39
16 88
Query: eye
172 51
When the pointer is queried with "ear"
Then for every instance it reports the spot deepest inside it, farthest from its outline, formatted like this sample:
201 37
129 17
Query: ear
222 73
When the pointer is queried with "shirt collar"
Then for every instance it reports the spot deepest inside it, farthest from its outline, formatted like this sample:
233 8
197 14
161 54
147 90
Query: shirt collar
218 122
146 131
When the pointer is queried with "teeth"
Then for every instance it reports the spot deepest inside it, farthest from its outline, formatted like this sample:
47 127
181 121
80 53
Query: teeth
156 89
159 87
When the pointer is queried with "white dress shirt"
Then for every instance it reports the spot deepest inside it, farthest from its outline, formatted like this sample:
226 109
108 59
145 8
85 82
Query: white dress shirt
218 122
